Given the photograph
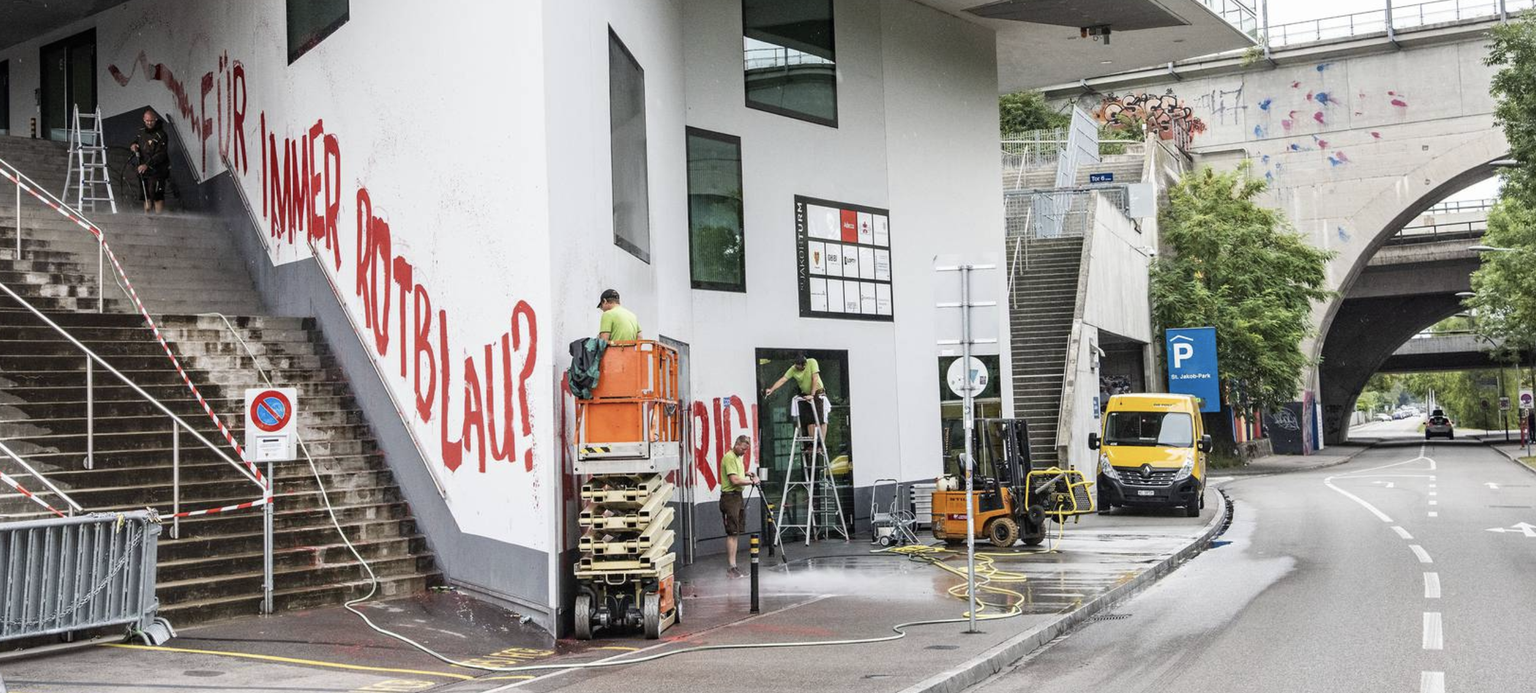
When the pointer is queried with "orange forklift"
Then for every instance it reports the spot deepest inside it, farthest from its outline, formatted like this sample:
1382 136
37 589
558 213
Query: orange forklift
628 438
1013 499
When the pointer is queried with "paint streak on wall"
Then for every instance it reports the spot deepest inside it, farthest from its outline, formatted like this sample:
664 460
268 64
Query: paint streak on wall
301 182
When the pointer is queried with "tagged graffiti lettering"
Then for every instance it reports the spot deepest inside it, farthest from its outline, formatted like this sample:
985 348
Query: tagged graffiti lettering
1163 114
301 186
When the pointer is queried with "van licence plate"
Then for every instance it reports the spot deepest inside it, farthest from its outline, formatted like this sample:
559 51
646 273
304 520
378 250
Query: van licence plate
1145 493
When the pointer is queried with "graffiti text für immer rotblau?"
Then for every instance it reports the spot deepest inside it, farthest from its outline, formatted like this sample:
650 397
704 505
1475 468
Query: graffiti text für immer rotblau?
301 184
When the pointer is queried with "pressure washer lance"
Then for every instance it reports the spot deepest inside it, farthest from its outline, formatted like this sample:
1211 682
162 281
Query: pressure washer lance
754 544
763 500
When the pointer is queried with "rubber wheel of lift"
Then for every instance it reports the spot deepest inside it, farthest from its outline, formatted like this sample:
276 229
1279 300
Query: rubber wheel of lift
650 610
1003 532
583 617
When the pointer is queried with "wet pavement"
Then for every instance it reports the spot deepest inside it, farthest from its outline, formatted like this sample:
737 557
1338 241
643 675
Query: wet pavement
831 590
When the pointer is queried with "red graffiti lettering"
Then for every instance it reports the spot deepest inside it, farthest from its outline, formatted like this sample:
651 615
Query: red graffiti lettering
403 280
424 347
237 103
452 450
507 445
472 432
530 359
700 428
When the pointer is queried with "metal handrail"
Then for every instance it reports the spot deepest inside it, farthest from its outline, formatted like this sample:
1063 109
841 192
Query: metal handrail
1463 206
73 506
1397 17
22 180
357 332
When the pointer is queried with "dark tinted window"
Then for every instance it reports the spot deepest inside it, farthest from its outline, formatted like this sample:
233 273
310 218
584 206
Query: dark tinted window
1150 429
626 127
716 243
310 21
791 60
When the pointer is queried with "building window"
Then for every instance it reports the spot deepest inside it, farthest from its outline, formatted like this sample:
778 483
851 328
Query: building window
626 128
5 97
310 21
716 243
791 62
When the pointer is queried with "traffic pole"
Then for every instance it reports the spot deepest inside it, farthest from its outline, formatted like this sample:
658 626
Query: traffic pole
754 551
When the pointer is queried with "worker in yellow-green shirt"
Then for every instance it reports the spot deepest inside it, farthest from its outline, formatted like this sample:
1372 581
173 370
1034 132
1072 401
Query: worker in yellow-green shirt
733 508
807 376
618 323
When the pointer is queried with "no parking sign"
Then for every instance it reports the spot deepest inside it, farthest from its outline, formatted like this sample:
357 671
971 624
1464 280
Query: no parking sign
270 417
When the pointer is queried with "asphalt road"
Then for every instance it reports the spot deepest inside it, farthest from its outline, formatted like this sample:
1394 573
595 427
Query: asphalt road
1377 575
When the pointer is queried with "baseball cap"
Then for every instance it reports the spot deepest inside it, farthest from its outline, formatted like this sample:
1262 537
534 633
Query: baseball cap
608 295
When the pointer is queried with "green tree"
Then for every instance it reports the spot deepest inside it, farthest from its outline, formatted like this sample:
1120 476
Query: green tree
1513 51
1238 267
1023 111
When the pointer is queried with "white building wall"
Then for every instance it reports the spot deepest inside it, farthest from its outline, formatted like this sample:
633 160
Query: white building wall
488 158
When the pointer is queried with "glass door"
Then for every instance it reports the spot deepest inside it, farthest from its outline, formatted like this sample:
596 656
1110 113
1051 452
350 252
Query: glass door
68 79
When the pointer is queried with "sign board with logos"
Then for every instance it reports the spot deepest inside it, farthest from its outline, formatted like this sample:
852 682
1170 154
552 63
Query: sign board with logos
271 424
843 258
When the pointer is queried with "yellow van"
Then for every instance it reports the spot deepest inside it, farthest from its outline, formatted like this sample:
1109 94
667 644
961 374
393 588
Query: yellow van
1152 453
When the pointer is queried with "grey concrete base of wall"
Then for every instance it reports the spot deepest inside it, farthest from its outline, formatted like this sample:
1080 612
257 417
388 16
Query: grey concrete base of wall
1001 655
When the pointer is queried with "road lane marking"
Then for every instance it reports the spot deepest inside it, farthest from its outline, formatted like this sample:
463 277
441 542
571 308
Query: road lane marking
1434 493
1421 553
1491 486
1431 585
288 660
1434 502
1431 682
1434 514
1402 532
1379 514
1434 635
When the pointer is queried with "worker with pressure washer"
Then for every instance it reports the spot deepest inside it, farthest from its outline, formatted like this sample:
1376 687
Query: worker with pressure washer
733 507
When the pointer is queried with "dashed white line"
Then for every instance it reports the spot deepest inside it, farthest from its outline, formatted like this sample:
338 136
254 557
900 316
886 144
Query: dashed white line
1402 532
1434 514
1434 502
1434 493
1434 635
1421 553
1431 585
1431 682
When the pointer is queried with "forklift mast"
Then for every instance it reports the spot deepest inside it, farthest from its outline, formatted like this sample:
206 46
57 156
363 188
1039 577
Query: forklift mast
1001 447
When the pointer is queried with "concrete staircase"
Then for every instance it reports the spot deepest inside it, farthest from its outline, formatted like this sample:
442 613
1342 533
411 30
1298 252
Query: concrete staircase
184 265
1127 168
1041 304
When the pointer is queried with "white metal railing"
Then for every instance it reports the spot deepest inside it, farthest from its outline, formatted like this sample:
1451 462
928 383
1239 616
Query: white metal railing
92 360
73 507
1235 12
1392 15
356 330
1068 212
773 57
1453 206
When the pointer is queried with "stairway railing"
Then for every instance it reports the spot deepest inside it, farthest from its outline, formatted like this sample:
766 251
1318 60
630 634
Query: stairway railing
105 255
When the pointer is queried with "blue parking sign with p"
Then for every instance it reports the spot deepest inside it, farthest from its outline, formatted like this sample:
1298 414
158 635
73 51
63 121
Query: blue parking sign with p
1191 355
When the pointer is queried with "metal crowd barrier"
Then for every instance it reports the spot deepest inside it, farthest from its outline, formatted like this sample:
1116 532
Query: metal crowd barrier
64 575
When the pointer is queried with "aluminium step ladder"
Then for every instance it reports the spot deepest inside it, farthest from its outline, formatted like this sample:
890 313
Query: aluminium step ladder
88 174
823 507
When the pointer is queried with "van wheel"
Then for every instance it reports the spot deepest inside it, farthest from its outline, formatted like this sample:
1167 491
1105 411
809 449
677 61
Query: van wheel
1202 497
1103 502
1192 510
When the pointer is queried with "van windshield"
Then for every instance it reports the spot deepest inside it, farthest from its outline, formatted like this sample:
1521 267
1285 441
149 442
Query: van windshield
1167 429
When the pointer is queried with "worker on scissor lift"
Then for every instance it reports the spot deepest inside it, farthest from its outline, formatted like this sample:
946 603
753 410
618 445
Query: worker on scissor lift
807 376
618 323
733 507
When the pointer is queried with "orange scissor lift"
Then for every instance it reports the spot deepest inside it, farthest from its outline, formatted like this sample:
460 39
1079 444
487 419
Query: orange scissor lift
628 437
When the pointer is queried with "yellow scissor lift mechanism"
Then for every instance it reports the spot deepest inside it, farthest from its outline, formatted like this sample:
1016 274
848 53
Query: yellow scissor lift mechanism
629 435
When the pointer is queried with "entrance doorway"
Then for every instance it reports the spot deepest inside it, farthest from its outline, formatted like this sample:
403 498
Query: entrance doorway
775 425
682 498
68 79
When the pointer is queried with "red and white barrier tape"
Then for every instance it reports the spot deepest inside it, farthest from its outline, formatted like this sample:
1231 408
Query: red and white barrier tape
155 329
13 483
225 509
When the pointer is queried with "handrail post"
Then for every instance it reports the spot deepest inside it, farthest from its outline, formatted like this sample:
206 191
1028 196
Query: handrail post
101 291
266 541
18 218
175 481
90 414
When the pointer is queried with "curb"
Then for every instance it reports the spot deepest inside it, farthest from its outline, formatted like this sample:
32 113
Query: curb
1512 459
983 666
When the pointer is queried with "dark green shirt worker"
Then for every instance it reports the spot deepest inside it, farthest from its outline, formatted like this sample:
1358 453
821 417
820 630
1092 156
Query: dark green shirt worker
618 323
733 507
